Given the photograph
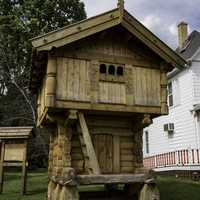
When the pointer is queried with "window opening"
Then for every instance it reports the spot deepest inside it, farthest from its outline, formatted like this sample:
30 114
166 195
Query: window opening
120 71
102 69
111 70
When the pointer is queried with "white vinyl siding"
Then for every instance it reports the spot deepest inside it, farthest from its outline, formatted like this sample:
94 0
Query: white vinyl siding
180 114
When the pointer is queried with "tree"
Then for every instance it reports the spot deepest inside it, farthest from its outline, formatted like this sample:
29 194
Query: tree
21 20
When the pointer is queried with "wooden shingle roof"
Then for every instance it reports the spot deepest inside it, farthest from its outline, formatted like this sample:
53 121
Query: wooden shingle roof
15 132
88 27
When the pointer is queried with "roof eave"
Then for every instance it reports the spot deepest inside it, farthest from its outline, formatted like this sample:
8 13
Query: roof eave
77 31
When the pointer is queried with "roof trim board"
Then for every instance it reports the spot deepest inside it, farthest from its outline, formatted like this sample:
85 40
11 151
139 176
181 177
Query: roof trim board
85 28
151 40
76 31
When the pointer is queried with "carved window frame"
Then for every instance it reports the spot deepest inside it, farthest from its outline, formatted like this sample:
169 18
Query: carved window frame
110 75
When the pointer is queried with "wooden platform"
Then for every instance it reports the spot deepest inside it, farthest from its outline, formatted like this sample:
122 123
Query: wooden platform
102 179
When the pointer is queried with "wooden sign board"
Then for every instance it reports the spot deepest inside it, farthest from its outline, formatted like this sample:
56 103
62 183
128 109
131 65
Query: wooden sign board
14 152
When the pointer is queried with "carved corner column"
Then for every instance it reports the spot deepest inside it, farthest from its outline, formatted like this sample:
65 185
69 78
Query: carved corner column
50 91
137 141
163 91
139 123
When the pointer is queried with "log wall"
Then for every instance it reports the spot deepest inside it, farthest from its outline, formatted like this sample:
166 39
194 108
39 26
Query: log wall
116 144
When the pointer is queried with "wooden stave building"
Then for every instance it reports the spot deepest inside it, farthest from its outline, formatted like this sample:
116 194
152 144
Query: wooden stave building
13 152
99 82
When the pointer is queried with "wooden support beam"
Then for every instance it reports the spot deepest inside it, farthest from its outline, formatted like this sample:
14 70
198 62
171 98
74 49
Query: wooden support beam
84 151
101 179
1 166
163 91
89 146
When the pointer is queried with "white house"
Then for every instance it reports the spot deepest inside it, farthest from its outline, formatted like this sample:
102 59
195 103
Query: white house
172 142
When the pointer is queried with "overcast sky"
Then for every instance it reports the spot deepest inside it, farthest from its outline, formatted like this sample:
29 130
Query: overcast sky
160 16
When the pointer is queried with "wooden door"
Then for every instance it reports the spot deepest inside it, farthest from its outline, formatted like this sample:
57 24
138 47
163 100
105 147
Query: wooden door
103 145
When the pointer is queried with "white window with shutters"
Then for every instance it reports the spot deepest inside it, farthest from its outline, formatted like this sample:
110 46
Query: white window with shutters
176 88
173 93
170 94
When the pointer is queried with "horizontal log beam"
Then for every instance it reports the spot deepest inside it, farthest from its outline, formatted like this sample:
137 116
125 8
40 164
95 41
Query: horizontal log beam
110 179
102 179
108 107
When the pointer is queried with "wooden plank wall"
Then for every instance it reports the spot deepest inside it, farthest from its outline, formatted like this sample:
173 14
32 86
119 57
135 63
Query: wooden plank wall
73 81
74 84
126 155
112 93
77 155
146 86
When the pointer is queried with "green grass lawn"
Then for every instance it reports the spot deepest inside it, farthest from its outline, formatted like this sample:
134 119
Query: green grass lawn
170 187
36 186
178 189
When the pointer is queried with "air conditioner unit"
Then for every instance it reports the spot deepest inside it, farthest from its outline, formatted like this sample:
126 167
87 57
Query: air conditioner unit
169 127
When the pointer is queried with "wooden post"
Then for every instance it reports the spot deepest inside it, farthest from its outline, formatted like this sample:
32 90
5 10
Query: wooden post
24 169
1 165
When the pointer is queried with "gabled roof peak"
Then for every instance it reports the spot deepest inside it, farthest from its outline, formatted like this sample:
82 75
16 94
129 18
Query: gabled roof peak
105 21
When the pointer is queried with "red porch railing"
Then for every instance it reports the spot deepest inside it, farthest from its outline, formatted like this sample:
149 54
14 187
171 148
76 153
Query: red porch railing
183 157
